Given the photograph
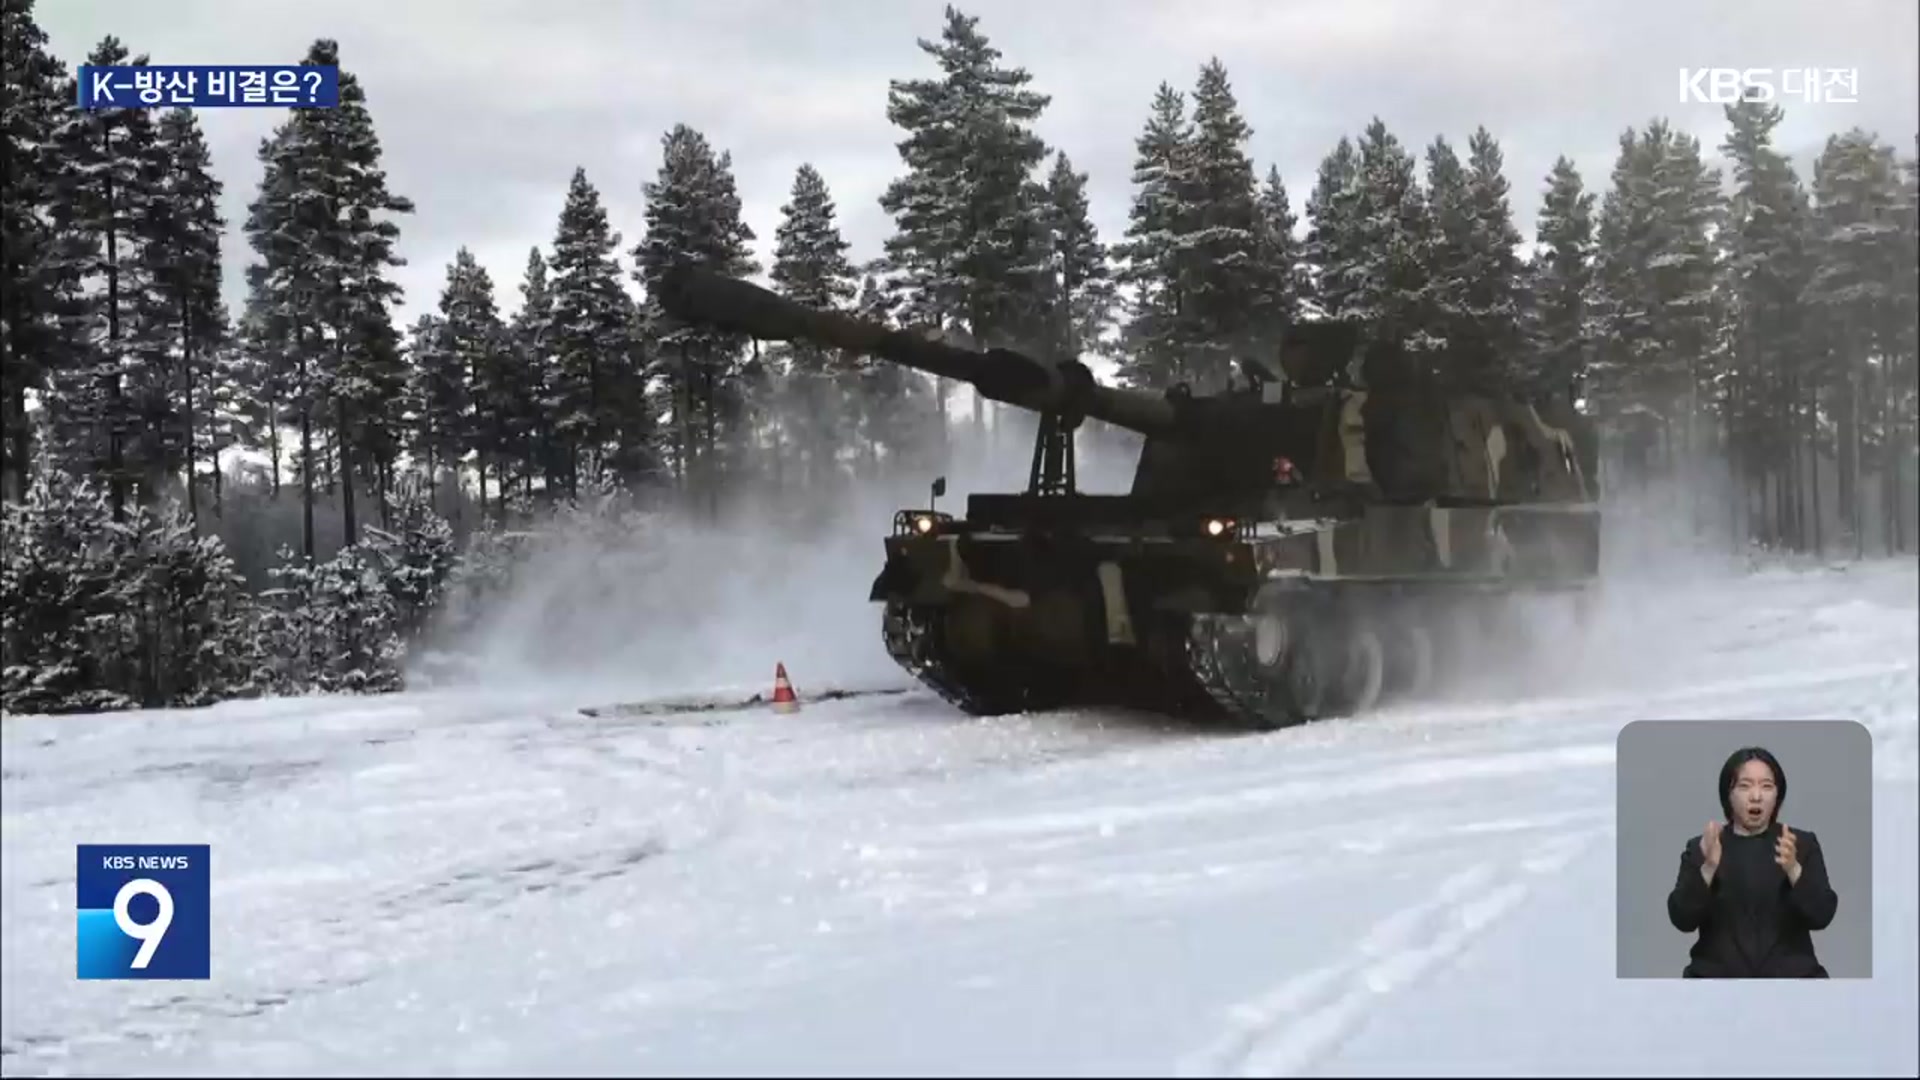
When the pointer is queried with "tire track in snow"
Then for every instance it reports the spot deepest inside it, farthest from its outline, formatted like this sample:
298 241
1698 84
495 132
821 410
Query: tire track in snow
1295 1024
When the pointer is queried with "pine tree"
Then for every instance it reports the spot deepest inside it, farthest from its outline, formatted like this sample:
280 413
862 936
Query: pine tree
1560 279
1155 260
1082 280
355 242
1855 289
1903 373
1449 258
39 267
1654 295
475 340
261 373
320 291
1332 248
1493 267
58 629
899 428
693 216
1224 289
1282 272
110 207
224 408
1768 268
440 396
810 266
183 257
284 343
810 257
414 556
968 245
589 336
1391 231
532 333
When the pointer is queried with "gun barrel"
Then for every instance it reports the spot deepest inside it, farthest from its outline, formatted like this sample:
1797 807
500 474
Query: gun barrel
699 296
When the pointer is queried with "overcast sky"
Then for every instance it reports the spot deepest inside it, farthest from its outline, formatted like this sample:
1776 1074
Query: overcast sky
485 107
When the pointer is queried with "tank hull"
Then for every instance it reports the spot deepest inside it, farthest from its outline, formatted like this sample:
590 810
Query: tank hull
1263 625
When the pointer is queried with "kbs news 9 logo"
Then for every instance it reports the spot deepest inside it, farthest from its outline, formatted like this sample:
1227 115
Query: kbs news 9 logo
143 911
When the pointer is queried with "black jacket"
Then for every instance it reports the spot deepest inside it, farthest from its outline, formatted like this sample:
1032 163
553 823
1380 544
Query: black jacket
1752 923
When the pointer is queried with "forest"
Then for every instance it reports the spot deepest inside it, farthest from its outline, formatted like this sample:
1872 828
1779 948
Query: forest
203 504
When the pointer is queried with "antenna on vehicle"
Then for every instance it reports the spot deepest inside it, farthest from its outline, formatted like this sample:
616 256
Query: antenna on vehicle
939 489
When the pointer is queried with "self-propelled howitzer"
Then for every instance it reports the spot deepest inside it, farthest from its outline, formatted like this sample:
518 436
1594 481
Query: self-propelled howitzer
1289 549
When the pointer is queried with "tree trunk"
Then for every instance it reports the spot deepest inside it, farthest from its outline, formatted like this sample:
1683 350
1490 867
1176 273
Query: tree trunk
351 530
306 481
186 351
1855 446
1816 515
116 479
20 438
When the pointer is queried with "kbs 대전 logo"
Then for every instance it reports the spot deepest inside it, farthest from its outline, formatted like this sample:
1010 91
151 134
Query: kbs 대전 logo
143 911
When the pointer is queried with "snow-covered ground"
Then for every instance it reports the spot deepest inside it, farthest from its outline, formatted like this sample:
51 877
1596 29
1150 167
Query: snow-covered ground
491 881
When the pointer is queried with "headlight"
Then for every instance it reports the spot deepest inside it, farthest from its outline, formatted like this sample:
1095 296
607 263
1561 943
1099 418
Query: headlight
1219 526
923 523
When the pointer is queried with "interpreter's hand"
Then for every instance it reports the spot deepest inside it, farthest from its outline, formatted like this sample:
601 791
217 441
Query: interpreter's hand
1710 850
1787 855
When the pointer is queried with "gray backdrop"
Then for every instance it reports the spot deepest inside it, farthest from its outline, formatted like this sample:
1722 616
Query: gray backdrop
1666 771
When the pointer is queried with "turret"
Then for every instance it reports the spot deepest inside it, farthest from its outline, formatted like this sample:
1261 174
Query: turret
1351 416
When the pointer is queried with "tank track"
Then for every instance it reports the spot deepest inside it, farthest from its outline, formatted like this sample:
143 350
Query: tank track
1293 657
913 639
1223 661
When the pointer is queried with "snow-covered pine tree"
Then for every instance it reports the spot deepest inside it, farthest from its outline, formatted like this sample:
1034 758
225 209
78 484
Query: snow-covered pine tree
414 555
1225 290
810 266
967 243
348 241
439 399
532 334
223 407
379 432
693 215
810 257
588 336
1493 291
193 619
476 340
1449 259
284 338
1332 249
1082 278
899 429
1558 283
1903 383
182 252
117 178
260 376
357 624
290 645
61 630
1154 259
1654 297
1855 289
39 260
1768 268
1390 239
1282 275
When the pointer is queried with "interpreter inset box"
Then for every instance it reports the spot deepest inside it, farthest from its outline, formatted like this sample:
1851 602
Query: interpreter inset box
1744 850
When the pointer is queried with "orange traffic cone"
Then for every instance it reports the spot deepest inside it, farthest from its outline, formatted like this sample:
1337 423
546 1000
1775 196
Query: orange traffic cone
783 699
